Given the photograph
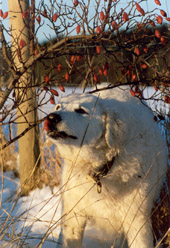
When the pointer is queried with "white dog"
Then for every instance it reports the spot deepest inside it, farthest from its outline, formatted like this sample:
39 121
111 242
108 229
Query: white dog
114 165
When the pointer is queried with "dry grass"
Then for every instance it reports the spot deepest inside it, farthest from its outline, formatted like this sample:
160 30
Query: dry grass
161 211
8 156
49 167
161 215
9 215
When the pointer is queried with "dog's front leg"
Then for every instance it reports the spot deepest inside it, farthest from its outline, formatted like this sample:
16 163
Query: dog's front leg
140 235
72 232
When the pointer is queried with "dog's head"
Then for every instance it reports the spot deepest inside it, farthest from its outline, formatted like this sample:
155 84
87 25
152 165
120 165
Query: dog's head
85 120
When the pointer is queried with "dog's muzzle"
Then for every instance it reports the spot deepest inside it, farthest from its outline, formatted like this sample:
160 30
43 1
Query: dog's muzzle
51 122
50 125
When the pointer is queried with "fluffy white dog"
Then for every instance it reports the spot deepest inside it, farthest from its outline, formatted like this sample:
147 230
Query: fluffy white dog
114 165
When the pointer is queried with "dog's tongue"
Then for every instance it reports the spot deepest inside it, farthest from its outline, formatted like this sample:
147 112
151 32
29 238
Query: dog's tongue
47 124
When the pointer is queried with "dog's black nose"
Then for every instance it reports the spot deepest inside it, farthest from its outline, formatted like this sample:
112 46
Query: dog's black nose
53 117
51 121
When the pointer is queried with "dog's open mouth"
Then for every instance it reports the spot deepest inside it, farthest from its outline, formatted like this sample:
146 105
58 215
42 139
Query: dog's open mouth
56 135
50 126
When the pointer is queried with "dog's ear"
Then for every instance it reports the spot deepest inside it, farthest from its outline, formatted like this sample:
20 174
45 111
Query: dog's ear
115 130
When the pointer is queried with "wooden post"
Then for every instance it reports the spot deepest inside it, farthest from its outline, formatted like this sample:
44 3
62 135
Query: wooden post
29 152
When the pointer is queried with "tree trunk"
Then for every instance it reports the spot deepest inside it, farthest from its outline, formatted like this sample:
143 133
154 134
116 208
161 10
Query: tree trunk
29 153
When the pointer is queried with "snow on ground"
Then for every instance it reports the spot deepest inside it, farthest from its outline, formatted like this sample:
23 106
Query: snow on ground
25 220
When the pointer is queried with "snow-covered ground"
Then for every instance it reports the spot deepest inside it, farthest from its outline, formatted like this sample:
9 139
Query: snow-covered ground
34 220
26 220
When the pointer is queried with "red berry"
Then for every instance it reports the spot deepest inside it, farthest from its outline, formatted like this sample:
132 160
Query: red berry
36 52
159 19
157 34
38 19
133 77
55 16
145 49
46 79
78 29
152 23
79 57
137 51
138 6
52 101
167 19
98 30
22 44
59 67
143 66
105 71
132 92
25 14
45 13
158 2
62 88
102 16
163 13
5 15
114 25
76 3
95 77
54 92
1 13
100 71
125 17
142 12
98 50
140 9
67 76
163 40
72 59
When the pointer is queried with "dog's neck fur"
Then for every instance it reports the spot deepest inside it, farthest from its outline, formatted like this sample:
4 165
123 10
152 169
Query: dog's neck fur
101 172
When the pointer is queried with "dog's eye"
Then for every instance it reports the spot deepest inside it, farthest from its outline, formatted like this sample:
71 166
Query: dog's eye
81 111
57 107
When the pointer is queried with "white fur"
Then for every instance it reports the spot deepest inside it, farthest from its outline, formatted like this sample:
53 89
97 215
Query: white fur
118 125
